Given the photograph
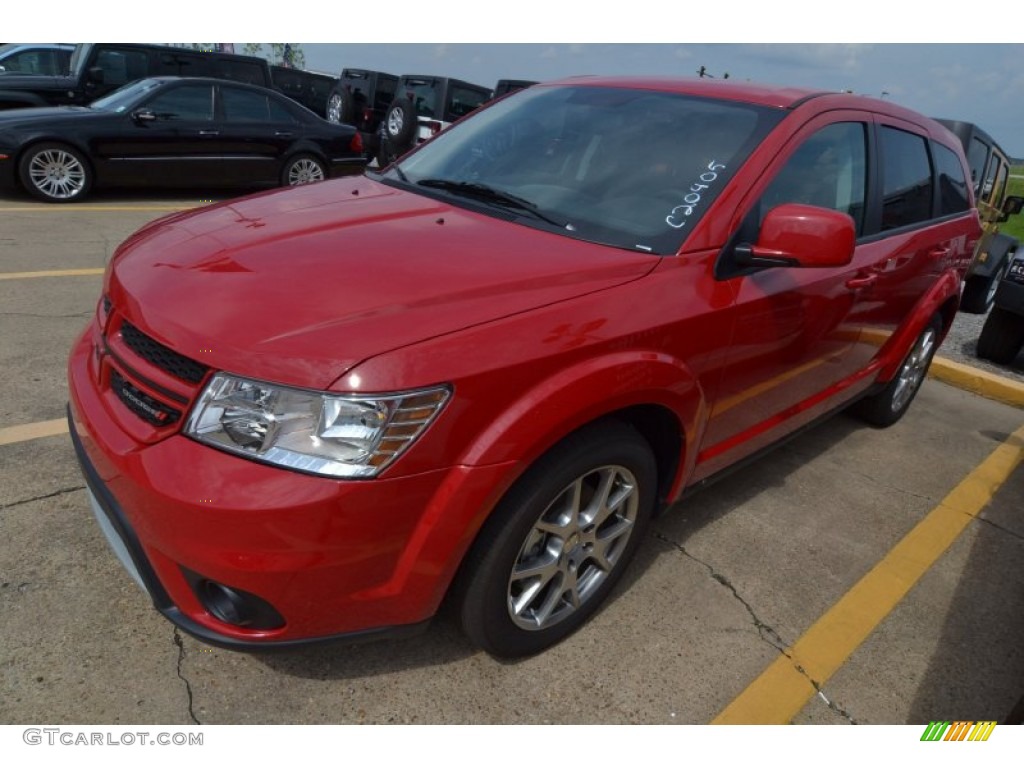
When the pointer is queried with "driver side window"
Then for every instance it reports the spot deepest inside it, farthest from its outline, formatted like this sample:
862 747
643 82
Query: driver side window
828 170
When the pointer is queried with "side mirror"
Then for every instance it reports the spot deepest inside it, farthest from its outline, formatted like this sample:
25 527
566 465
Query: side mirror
795 235
96 75
1012 205
141 116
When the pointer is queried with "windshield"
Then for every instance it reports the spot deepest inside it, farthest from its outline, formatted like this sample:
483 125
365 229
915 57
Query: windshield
125 97
625 167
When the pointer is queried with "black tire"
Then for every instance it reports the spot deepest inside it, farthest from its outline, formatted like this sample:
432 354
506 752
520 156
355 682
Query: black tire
886 407
400 122
340 108
582 559
385 154
55 173
303 169
980 292
1002 336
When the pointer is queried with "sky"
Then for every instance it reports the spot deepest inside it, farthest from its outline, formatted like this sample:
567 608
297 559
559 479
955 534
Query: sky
964 66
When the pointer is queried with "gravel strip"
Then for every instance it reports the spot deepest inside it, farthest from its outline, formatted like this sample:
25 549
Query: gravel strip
961 346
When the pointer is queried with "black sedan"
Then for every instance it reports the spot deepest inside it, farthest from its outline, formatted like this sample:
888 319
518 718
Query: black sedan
171 131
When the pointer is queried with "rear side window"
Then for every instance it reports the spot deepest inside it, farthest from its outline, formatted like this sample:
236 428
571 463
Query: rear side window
122 66
976 157
462 101
953 196
996 181
240 71
184 64
242 105
906 179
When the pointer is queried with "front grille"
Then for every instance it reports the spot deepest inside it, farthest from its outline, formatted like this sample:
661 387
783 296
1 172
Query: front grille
145 407
162 357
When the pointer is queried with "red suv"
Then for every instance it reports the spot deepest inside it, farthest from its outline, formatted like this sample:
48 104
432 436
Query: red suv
319 412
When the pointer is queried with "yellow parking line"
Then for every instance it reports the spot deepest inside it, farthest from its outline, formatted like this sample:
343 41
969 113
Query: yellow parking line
24 432
50 273
990 385
782 690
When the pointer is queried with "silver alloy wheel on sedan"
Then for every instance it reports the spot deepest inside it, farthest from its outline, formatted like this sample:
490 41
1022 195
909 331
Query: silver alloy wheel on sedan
57 173
914 369
573 547
305 170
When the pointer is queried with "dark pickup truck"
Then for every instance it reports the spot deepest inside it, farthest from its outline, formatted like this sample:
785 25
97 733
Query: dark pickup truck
99 68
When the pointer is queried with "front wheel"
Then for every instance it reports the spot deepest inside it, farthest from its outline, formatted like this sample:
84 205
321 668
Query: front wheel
55 173
558 542
302 169
980 292
888 406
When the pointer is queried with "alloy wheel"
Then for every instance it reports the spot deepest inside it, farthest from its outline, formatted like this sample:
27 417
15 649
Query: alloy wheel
573 547
305 170
914 369
57 174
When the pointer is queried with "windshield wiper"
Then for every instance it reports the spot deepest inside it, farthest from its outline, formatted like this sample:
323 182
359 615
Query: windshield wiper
491 195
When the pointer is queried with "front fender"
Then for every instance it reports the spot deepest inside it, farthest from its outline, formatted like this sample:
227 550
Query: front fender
541 417
590 390
997 249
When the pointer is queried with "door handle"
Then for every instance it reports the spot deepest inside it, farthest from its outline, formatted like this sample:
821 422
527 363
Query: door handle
209 133
939 253
857 283
284 134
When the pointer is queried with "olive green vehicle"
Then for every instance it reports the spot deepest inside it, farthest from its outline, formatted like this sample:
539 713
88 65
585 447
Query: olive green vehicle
990 171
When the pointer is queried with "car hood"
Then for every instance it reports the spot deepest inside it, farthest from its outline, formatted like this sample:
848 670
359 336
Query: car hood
298 286
46 116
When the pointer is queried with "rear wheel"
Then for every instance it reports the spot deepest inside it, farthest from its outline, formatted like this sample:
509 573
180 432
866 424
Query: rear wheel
55 173
558 542
1002 336
888 406
302 169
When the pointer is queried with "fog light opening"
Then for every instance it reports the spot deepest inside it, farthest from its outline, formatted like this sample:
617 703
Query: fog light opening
235 606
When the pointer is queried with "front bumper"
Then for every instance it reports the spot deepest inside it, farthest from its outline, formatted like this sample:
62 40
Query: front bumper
129 551
334 559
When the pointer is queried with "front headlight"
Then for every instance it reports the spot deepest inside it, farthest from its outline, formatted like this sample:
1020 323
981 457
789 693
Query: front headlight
327 434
